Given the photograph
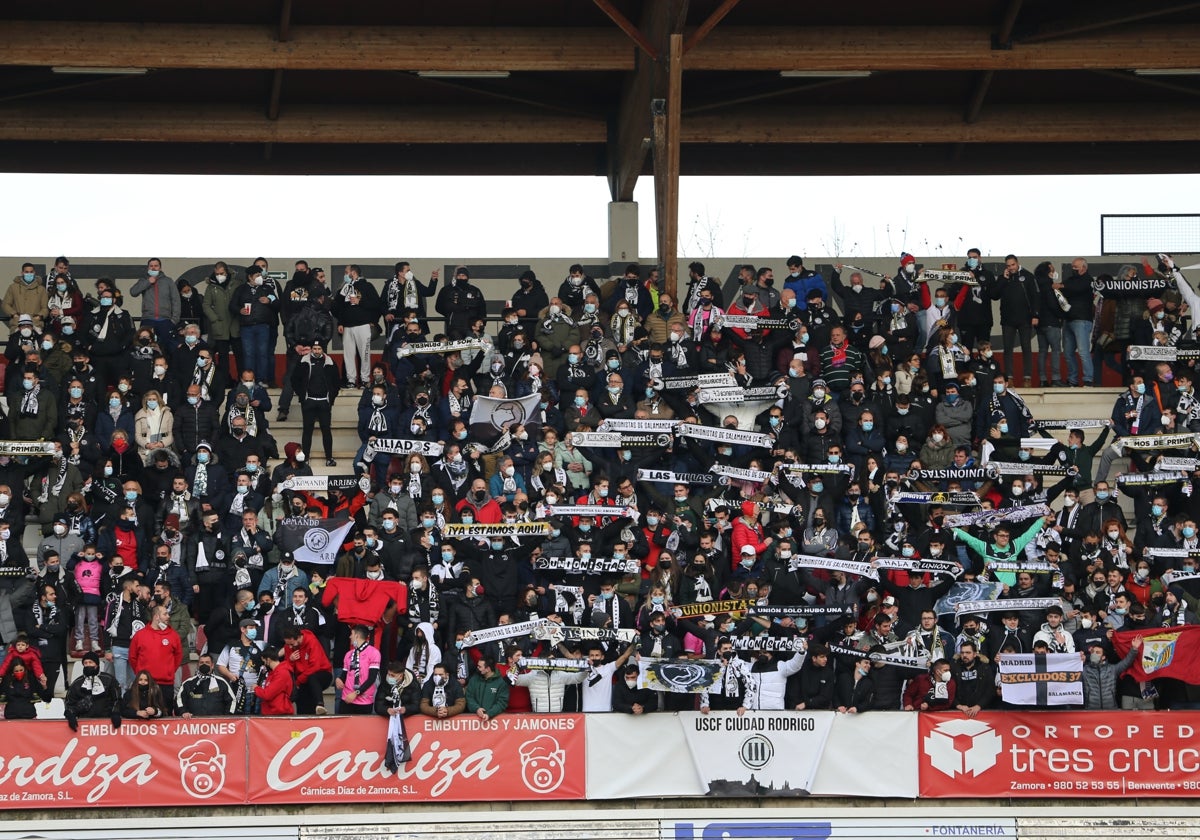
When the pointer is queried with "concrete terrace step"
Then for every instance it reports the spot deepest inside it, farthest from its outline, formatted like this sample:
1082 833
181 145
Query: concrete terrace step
1045 403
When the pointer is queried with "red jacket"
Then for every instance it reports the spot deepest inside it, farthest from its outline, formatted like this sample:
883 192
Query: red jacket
32 658
307 659
917 692
276 691
743 534
362 601
158 651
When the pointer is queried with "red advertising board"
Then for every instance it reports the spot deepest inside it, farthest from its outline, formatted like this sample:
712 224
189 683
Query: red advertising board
43 764
179 762
1059 755
512 757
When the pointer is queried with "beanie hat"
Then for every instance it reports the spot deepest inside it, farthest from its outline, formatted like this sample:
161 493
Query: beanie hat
1154 304
876 342
906 258
290 449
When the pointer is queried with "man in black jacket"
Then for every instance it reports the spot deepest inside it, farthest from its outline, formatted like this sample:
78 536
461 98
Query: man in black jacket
316 382
312 322
1020 307
975 681
461 304
628 698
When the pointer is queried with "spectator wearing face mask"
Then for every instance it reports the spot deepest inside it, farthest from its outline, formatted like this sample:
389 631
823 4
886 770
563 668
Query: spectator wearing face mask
1100 676
933 691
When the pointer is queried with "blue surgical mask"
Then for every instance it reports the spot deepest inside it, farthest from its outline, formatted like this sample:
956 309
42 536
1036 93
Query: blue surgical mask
1140 387
618 556
817 487
106 301
835 459
907 551
895 308
1101 495
76 393
108 471
153 272
867 425
447 556
428 523
972 262
61 287
242 490
28 384
468 519
251 633
774 421
589 308
1156 510
627 456
115 402
1003 428
389 524
573 358
652 521
131 495
437 498
190 339
649 393
1023 455
68 329
202 457
998 387
28 276
951 399
614 364
613 389
657 600
193 400
153 406
580 402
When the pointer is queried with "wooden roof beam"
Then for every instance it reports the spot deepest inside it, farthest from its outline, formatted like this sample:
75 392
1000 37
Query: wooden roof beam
828 48
251 47
1052 123
583 49
183 123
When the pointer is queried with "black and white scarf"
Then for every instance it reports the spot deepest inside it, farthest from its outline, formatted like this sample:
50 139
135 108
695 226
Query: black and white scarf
353 677
200 481
204 378
55 490
377 423
29 402
44 615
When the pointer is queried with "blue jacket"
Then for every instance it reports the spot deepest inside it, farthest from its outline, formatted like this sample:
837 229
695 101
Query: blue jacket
805 283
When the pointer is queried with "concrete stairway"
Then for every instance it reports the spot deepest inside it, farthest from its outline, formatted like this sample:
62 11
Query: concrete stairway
1045 403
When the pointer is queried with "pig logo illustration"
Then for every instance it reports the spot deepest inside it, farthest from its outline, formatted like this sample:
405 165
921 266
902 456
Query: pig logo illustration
202 769
543 764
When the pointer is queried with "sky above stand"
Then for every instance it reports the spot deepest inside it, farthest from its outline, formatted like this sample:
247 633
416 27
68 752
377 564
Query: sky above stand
389 217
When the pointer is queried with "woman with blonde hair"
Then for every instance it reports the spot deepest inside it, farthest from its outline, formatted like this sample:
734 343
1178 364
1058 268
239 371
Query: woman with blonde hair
153 426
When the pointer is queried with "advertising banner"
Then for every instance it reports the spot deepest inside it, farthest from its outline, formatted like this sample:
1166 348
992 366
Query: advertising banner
513 757
760 754
1065 754
149 764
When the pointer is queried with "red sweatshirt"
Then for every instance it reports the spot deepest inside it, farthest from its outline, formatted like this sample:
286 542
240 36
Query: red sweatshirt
276 691
307 659
361 601
157 651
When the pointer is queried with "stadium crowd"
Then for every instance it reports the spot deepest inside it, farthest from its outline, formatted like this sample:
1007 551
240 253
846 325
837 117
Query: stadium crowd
824 515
